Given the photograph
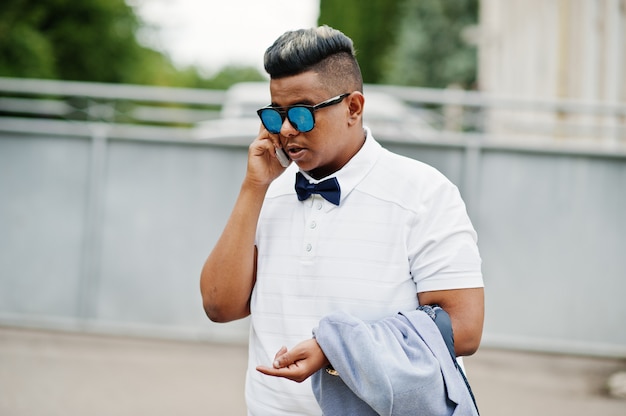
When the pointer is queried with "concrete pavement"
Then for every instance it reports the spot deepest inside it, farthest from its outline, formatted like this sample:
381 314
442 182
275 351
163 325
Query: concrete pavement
54 373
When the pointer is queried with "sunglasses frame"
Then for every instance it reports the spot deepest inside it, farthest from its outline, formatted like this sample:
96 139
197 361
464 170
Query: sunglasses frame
283 112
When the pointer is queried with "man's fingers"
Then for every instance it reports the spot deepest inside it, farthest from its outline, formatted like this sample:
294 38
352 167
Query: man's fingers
283 358
276 372
266 370
293 373
280 352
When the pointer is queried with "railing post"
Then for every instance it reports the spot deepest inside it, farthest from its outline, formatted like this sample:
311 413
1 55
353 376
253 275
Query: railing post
470 183
92 238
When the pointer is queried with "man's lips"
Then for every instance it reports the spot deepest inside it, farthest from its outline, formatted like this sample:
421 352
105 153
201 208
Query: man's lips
294 151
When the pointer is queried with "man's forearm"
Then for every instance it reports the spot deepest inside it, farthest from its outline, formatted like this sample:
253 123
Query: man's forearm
466 310
228 274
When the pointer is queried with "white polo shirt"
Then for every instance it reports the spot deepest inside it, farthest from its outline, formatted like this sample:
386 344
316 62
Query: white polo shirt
401 228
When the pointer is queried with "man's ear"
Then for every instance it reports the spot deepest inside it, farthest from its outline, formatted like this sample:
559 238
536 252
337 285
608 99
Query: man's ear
356 101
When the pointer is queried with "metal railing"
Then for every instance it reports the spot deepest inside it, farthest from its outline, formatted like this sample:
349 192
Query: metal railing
455 114
513 117
109 103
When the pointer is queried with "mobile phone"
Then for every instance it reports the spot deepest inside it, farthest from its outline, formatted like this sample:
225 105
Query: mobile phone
282 157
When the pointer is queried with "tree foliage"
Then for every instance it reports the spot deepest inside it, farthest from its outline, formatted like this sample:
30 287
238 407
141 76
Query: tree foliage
89 40
370 24
431 50
408 42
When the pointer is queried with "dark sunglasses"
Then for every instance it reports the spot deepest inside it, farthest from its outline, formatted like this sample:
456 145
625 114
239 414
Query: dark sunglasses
300 116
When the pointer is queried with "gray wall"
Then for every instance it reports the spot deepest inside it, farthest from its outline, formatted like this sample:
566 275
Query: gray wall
109 235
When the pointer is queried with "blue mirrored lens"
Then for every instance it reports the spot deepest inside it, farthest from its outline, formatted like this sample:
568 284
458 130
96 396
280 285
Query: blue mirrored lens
301 118
271 120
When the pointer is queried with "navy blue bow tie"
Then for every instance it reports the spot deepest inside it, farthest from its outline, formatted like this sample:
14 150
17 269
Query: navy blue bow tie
328 189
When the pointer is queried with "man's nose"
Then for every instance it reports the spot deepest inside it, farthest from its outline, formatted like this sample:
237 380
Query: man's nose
287 129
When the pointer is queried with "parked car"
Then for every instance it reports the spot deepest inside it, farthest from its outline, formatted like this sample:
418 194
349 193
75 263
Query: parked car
238 122
388 117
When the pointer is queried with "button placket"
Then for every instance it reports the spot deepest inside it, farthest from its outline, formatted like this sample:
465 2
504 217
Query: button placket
311 225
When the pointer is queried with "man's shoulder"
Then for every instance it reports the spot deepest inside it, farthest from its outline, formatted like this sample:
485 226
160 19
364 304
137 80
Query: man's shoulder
404 182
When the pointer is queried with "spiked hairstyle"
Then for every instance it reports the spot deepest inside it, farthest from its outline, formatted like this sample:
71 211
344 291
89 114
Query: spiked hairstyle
324 50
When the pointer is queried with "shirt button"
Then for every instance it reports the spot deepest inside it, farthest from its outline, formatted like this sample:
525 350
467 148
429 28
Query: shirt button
318 205
308 247
313 224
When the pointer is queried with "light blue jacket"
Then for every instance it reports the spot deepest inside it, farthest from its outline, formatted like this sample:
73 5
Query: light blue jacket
396 366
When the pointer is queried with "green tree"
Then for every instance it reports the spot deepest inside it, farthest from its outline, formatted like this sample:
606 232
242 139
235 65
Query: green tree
24 50
91 40
430 50
85 40
408 42
372 26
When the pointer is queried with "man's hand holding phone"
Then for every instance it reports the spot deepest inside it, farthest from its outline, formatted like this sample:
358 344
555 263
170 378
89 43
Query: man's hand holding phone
266 158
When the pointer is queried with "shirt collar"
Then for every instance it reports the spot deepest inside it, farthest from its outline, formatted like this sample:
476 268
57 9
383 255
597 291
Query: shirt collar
357 168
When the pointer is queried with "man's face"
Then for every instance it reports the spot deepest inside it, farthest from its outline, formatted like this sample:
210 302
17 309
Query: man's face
325 149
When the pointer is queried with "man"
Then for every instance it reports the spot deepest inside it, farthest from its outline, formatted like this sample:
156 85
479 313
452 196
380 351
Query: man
381 234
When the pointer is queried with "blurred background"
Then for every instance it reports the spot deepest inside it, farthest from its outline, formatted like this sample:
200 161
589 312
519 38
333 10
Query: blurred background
124 128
